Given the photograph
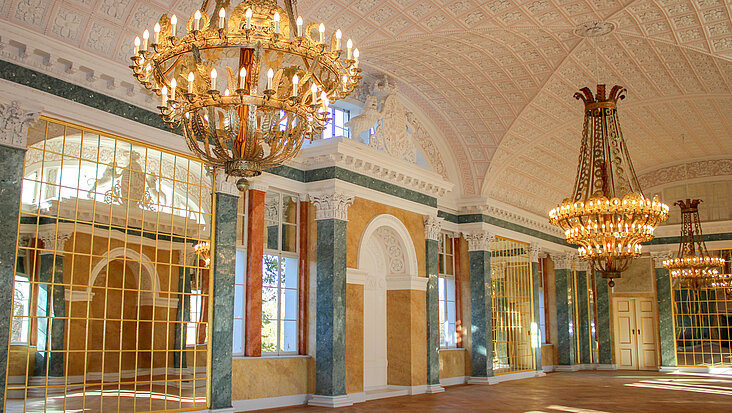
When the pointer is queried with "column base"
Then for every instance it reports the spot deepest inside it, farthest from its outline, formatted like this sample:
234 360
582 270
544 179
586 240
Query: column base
540 373
482 380
434 388
607 366
330 401
566 367
226 410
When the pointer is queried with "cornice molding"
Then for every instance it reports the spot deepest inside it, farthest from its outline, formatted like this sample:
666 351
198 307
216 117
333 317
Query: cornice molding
225 185
659 258
357 157
563 261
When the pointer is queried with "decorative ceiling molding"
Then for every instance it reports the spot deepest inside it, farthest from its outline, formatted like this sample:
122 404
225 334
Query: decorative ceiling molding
686 171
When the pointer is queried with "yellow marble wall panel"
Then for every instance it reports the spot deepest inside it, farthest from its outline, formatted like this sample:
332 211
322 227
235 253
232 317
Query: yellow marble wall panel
419 337
261 377
399 345
354 338
21 360
452 363
465 290
547 355
363 211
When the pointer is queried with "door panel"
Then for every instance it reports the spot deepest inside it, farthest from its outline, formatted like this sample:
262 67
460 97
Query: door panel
625 338
646 322
635 333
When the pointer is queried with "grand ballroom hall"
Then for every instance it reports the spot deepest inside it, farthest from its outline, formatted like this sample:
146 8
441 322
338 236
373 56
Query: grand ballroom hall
290 206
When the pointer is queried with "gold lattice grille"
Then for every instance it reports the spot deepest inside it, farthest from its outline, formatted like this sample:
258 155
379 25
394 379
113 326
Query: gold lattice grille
512 300
703 321
110 308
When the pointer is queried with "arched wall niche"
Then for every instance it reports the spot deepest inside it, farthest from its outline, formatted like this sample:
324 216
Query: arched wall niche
394 240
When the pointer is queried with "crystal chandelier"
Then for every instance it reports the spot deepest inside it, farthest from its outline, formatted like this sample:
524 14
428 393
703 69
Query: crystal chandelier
693 266
607 215
279 78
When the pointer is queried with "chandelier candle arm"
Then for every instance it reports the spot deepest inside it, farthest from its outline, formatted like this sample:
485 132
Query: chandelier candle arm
265 116
607 215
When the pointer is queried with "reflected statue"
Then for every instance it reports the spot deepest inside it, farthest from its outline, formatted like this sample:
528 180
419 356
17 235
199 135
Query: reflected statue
131 184
109 175
366 120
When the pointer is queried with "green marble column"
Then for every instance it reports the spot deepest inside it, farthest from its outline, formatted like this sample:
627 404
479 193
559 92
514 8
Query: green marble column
330 320
44 312
16 121
564 281
182 315
432 233
536 338
605 338
222 317
583 318
481 312
665 312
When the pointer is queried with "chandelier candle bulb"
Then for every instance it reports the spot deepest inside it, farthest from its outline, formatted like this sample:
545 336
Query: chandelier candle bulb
349 49
226 92
324 100
299 26
338 36
222 18
145 38
248 15
137 46
321 32
156 29
173 26
356 55
277 23
164 96
214 75
270 77
191 78
314 91
197 20
295 81
242 78
173 86
345 83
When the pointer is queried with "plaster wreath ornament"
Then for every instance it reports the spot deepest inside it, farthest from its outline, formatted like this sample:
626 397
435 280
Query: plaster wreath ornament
14 123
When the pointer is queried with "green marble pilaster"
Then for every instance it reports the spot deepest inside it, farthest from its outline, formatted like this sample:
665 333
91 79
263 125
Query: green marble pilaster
536 338
182 315
58 324
481 314
222 317
11 159
583 319
605 339
565 316
665 317
330 352
433 314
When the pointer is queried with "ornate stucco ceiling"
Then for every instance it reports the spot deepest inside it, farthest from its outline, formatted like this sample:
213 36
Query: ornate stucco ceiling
497 76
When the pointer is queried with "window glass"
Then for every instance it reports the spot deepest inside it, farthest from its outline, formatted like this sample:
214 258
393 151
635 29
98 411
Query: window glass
446 292
337 124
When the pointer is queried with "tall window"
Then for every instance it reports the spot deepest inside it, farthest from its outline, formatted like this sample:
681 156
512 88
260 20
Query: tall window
337 125
446 292
542 303
195 317
21 310
280 273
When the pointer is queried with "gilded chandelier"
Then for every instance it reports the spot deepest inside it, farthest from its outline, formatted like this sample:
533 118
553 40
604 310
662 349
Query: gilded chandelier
280 77
607 215
693 266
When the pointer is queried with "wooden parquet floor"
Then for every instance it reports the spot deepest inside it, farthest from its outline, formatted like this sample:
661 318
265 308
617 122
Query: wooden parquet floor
573 392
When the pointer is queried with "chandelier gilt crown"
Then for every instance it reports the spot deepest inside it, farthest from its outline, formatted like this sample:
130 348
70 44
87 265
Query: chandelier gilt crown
279 79
693 266
607 215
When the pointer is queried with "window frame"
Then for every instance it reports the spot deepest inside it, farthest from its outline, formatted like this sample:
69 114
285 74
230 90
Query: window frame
331 126
444 303
241 251
26 317
280 288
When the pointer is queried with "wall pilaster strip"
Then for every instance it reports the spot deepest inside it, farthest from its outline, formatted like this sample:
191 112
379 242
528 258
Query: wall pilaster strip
565 314
583 318
255 254
481 314
664 293
433 315
604 332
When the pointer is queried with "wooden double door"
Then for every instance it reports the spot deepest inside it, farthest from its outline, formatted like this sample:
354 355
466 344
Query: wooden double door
636 346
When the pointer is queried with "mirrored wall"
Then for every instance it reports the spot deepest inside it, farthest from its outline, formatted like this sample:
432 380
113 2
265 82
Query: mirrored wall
110 308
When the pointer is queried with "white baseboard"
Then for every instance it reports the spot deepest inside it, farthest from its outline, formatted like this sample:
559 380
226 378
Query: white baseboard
385 392
411 390
725 371
270 402
548 369
358 397
226 410
564 367
453 381
505 377
330 401
607 367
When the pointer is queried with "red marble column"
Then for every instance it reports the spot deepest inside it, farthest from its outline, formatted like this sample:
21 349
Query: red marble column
255 253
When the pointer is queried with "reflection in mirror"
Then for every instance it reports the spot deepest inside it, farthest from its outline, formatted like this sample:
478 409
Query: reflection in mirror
110 308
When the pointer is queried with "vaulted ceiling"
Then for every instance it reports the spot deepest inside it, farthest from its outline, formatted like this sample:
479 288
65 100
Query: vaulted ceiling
497 76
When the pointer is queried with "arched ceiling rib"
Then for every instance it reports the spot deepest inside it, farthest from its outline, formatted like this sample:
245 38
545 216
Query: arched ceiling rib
497 76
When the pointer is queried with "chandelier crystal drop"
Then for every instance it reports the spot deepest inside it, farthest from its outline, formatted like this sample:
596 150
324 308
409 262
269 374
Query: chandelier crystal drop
693 266
245 85
607 215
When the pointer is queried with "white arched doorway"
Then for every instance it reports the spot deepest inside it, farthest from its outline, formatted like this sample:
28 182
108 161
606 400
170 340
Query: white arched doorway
386 254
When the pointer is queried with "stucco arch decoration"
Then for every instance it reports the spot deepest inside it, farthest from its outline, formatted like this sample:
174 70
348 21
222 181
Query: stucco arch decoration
395 242
145 274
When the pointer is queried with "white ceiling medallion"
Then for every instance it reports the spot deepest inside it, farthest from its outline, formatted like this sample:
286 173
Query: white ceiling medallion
594 29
